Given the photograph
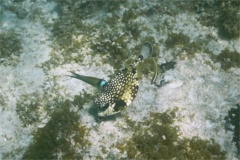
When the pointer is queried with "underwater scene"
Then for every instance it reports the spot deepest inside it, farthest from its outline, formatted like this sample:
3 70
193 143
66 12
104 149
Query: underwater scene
120 79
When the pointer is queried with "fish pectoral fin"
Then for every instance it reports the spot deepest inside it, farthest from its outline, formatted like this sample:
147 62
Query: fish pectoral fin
120 105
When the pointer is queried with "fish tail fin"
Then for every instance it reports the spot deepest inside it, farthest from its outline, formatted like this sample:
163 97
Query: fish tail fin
96 82
75 75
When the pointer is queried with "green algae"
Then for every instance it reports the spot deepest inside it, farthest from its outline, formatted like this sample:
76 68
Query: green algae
3 103
31 107
73 22
61 137
63 133
54 60
132 27
73 35
10 44
182 43
157 138
171 8
28 110
115 53
227 59
228 21
224 15
67 29
72 16
232 119
37 15
129 15
175 39
81 99
106 36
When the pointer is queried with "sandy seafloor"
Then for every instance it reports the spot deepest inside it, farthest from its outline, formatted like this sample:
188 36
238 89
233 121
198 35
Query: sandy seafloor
42 40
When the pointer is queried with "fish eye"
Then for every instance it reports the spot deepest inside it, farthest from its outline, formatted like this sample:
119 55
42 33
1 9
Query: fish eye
103 83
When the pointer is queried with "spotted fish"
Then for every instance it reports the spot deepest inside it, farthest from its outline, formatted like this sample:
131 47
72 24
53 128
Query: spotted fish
120 91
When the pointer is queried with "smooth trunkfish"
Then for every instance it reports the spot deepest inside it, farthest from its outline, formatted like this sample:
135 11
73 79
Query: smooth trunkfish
121 90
